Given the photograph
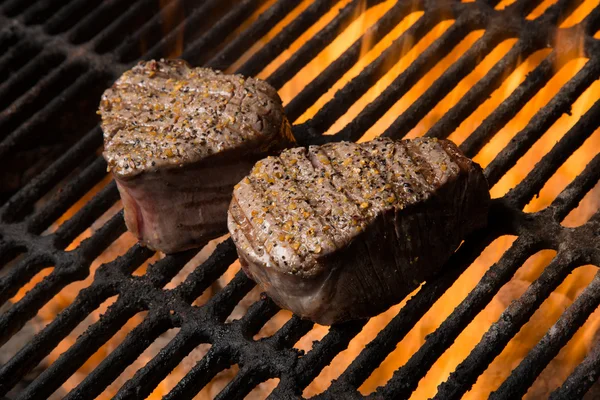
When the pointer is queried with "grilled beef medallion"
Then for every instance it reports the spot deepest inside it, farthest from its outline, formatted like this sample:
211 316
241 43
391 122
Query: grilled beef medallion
344 231
177 139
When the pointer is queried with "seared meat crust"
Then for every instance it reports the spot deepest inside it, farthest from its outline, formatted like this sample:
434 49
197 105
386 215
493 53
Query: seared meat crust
343 231
178 138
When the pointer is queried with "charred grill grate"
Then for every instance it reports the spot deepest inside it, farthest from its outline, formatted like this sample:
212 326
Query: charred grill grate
72 50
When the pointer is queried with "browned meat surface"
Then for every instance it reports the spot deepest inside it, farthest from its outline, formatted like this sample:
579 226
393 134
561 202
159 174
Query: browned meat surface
177 139
344 231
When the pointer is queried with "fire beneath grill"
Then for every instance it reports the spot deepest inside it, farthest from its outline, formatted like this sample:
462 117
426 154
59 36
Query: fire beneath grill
516 313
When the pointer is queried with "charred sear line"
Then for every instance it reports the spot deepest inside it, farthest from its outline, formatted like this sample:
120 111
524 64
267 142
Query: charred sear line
336 174
395 175
290 169
330 175
258 223
421 187
425 167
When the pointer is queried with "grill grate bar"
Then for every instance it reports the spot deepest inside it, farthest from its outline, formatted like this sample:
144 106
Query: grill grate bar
124 355
70 317
541 122
215 361
161 272
406 379
34 190
353 90
20 108
591 22
149 376
40 10
255 31
386 340
8 251
532 33
257 315
85 346
16 56
106 19
70 193
315 45
19 275
509 323
334 71
406 80
26 129
25 309
93 246
102 40
61 20
321 355
12 8
582 378
558 12
143 336
8 39
21 80
571 141
35 351
222 304
290 333
576 190
482 90
559 334
195 51
443 85
168 41
286 37
501 115
74 226
150 31
239 387
201 278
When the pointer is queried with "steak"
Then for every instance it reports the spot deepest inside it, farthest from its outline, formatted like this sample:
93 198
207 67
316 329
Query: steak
344 231
177 139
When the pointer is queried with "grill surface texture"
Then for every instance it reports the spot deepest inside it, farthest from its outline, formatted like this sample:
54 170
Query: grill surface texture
56 58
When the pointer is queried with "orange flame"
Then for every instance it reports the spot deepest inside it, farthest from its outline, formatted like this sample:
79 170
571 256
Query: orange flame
550 311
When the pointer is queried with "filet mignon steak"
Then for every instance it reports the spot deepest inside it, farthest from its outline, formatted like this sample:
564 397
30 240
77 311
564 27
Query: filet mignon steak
344 231
177 139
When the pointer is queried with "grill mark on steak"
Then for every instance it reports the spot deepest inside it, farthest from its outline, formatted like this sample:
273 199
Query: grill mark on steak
270 242
244 225
320 223
343 206
424 168
422 187
340 176
299 161
280 190
383 194
393 172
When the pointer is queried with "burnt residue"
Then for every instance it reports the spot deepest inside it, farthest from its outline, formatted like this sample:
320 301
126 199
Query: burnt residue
70 104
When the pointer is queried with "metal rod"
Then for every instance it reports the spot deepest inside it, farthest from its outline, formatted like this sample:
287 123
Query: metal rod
522 377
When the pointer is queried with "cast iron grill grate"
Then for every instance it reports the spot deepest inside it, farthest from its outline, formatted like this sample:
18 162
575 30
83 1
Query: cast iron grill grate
57 57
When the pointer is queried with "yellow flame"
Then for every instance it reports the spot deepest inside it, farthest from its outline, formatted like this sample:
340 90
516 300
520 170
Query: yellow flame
520 345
